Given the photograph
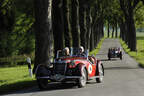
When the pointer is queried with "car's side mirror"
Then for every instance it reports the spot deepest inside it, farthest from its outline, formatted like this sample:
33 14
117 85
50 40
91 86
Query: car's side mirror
29 66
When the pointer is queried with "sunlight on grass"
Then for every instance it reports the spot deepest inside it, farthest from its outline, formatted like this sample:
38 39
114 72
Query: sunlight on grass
139 55
13 74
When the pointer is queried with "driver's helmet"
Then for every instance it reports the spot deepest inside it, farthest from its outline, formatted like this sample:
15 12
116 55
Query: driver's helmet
81 49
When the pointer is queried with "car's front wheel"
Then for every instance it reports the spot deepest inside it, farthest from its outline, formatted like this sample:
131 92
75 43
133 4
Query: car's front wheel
82 81
100 73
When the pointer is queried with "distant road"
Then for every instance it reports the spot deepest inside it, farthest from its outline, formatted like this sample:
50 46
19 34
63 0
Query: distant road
122 78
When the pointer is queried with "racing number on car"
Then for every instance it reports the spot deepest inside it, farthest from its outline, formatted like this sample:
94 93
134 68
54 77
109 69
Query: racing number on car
90 69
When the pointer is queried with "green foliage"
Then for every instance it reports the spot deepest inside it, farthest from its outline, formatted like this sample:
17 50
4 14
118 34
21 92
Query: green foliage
16 35
139 15
23 36
7 19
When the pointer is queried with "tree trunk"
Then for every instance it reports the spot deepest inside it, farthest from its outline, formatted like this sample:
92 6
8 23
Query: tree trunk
102 29
112 31
116 33
43 32
123 31
108 35
89 26
122 35
67 26
132 33
58 25
83 29
126 33
92 41
128 7
75 23
96 34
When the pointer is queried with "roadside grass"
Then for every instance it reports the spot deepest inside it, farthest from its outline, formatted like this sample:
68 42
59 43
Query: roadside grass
139 55
95 51
14 79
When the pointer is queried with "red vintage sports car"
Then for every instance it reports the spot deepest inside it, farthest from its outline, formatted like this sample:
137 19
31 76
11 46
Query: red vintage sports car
70 68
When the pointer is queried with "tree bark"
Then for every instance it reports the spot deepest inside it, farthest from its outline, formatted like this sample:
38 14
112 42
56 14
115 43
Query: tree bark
132 33
128 8
89 26
75 23
43 32
116 31
112 31
123 31
92 41
108 30
67 26
58 25
83 29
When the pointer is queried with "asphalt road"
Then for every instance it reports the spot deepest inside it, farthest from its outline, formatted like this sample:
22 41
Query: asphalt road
122 78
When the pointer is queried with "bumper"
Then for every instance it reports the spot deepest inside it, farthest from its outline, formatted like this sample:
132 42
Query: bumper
59 77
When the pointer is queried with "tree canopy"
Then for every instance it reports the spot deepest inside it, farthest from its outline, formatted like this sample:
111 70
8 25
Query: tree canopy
73 23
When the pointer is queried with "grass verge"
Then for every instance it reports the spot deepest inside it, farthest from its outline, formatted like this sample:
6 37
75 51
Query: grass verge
95 51
139 55
14 79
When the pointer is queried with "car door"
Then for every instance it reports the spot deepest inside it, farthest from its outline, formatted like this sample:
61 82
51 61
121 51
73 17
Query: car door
92 67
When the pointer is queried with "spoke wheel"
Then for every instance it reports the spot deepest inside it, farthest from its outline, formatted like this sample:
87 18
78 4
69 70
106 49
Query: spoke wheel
82 81
100 73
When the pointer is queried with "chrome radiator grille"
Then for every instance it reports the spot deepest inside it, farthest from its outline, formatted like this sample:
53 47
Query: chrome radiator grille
60 68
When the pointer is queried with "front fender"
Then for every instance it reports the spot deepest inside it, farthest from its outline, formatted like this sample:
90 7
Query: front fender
99 63
81 67
42 70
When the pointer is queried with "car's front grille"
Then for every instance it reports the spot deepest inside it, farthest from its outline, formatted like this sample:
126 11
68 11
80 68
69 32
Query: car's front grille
60 68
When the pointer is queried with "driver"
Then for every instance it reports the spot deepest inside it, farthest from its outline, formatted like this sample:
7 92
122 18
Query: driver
66 51
81 52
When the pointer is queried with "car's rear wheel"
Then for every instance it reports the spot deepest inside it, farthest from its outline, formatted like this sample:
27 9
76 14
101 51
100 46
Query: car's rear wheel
100 73
42 83
82 81
121 56
109 56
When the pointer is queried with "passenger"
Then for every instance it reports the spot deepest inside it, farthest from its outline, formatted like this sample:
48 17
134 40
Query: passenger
81 52
66 51
92 60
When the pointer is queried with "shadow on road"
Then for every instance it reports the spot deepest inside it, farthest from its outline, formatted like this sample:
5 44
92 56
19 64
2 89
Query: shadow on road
51 87
104 59
112 59
59 86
